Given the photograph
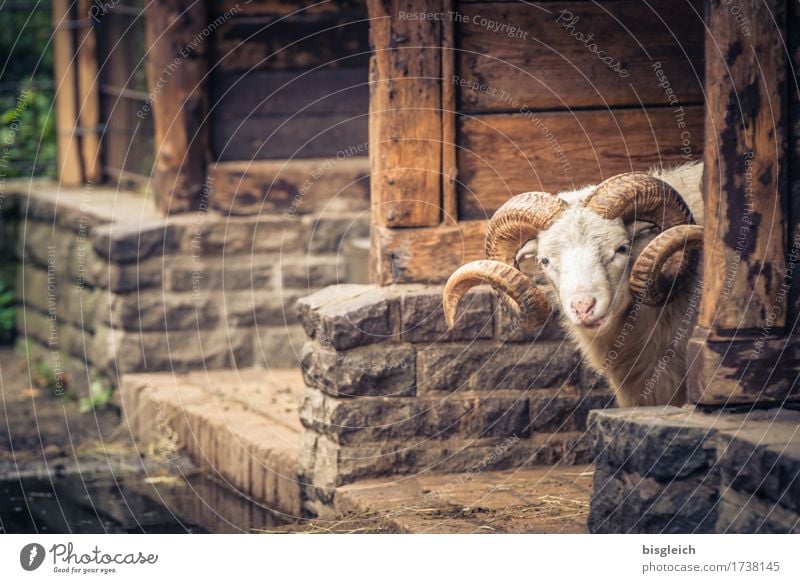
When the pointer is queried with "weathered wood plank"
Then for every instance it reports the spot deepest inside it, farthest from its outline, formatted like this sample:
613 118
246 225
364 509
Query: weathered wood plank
426 255
236 95
286 136
746 172
70 169
405 149
502 155
579 54
301 41
290 186
745 371
745 291
178 64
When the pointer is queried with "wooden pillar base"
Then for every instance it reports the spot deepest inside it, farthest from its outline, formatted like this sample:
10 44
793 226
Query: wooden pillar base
756 369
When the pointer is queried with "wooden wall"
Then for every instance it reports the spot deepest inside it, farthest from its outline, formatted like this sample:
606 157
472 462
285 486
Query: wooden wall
288 81
524 102
552 115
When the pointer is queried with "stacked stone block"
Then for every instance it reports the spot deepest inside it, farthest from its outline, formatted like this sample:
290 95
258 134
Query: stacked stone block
390 389
670 470
107 287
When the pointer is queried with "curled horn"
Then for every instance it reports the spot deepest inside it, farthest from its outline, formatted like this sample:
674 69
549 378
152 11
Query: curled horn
529 305
649 280
519 220
639 196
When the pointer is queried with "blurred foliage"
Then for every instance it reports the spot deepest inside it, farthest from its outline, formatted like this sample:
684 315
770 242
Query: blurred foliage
28 127
100 393
7 314
25 49
26 97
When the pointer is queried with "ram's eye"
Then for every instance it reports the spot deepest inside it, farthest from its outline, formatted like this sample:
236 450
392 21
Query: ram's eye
623 249
544 261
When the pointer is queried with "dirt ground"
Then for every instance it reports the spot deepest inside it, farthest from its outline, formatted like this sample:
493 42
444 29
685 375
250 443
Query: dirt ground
37 426
39 429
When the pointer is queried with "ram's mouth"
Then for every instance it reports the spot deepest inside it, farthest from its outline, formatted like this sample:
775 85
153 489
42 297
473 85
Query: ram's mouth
597 324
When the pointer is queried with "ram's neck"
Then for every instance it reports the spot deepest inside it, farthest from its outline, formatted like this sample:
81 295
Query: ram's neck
643 356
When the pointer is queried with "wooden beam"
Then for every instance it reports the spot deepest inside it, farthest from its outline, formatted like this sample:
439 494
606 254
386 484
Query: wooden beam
745 285
539 61
177 66
70 170
89 96
406 100
292 187
501 155
425 255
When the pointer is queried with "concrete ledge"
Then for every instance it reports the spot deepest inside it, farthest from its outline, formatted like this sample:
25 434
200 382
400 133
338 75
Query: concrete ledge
240 424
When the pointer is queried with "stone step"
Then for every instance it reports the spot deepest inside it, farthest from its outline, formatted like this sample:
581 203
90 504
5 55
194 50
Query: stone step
548 499
242 425
664 469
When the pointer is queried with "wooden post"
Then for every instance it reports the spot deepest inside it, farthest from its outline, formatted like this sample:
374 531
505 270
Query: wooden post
738 353
405 113
177 66
88 95
70 169
449 153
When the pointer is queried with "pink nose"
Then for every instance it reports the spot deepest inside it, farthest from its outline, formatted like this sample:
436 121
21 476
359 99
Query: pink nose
583 307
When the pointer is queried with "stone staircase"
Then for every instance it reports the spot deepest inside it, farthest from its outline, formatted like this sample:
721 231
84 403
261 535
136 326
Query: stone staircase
242 425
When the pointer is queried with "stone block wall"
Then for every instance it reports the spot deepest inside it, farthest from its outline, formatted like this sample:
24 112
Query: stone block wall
671 470
107 287
391 390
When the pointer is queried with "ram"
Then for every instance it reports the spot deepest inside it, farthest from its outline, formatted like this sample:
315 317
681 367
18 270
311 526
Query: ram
620 260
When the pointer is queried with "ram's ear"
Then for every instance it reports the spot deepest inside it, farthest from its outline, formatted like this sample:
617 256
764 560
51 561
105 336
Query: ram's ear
528 252
528 262
641 229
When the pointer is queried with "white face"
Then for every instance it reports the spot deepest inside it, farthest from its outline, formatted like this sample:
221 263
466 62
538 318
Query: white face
587 259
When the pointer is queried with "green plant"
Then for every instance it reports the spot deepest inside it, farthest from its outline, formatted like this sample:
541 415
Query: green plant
26 119
8 326
44 377
27 127
100 393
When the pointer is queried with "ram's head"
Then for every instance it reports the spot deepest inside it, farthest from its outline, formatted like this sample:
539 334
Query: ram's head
632 237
